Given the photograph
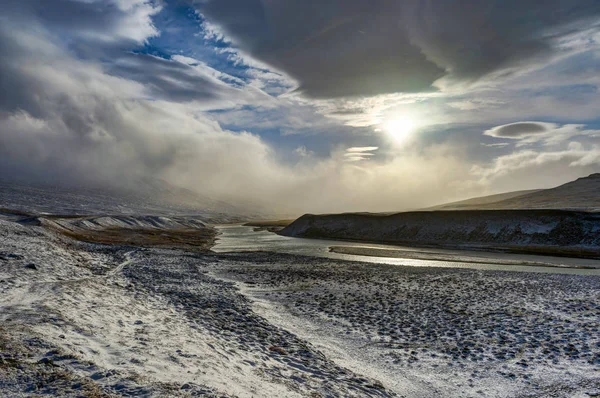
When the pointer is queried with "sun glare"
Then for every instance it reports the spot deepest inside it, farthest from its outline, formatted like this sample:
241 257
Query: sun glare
399 128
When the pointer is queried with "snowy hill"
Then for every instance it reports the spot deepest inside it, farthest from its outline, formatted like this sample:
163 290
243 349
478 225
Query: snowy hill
581 194
147 196
149 231
476 203
127 222
533 231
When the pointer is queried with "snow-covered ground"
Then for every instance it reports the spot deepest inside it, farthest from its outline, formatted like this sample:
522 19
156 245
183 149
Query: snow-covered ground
433 332
82 319
79 319
149 197
129 222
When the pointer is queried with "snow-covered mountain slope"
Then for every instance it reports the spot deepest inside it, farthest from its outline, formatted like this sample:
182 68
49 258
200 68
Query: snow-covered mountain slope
175 231
188 232
128 222
536 231
475 203
581 194
154 197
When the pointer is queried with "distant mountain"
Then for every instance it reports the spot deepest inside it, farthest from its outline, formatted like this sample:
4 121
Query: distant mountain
140 197
481 201
581 194
158 190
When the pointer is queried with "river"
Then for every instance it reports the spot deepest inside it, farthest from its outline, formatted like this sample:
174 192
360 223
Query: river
239 238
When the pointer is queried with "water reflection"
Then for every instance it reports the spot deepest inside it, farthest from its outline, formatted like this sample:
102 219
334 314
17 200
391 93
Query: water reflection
235 238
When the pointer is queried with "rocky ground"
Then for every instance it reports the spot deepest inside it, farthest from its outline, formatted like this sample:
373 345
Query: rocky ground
428 331
81 319
86 319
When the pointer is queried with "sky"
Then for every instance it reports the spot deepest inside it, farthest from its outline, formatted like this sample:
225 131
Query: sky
296 106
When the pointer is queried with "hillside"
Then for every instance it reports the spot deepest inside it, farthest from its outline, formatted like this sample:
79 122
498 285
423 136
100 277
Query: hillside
148 231
581 194
475 203
554 232
143 196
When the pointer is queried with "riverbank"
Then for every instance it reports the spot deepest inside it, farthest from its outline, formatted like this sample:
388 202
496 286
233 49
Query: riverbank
245 239
274 226
428 332
437 256
543 232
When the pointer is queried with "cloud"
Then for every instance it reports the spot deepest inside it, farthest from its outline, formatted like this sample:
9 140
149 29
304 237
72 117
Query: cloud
339 48
519 130
475 104
259 74
539 132
329 53
303 152
67 118
362 149
167 79
355 158
184 79
519 169
352 154
105 123
97 22
357 154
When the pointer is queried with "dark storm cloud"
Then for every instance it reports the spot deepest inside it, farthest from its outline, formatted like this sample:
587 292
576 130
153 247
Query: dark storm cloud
519 130
334 47
96 18
15 88
352 47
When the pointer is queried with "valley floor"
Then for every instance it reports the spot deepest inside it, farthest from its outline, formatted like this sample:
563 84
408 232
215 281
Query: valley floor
82 319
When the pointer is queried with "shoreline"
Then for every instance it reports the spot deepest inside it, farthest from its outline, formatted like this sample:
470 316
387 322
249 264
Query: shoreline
558 233
548 251
246 240
431 256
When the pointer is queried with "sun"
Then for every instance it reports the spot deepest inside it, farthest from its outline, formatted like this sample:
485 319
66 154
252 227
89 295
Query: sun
400 128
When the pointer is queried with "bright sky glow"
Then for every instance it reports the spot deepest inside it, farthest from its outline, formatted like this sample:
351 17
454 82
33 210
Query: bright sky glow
400 128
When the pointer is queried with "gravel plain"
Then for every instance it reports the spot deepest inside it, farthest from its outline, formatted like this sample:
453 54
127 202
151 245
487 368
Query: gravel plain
80 319
460 332
87 319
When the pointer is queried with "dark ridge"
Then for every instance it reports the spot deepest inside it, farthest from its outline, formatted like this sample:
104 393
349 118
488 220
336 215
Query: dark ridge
552 232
